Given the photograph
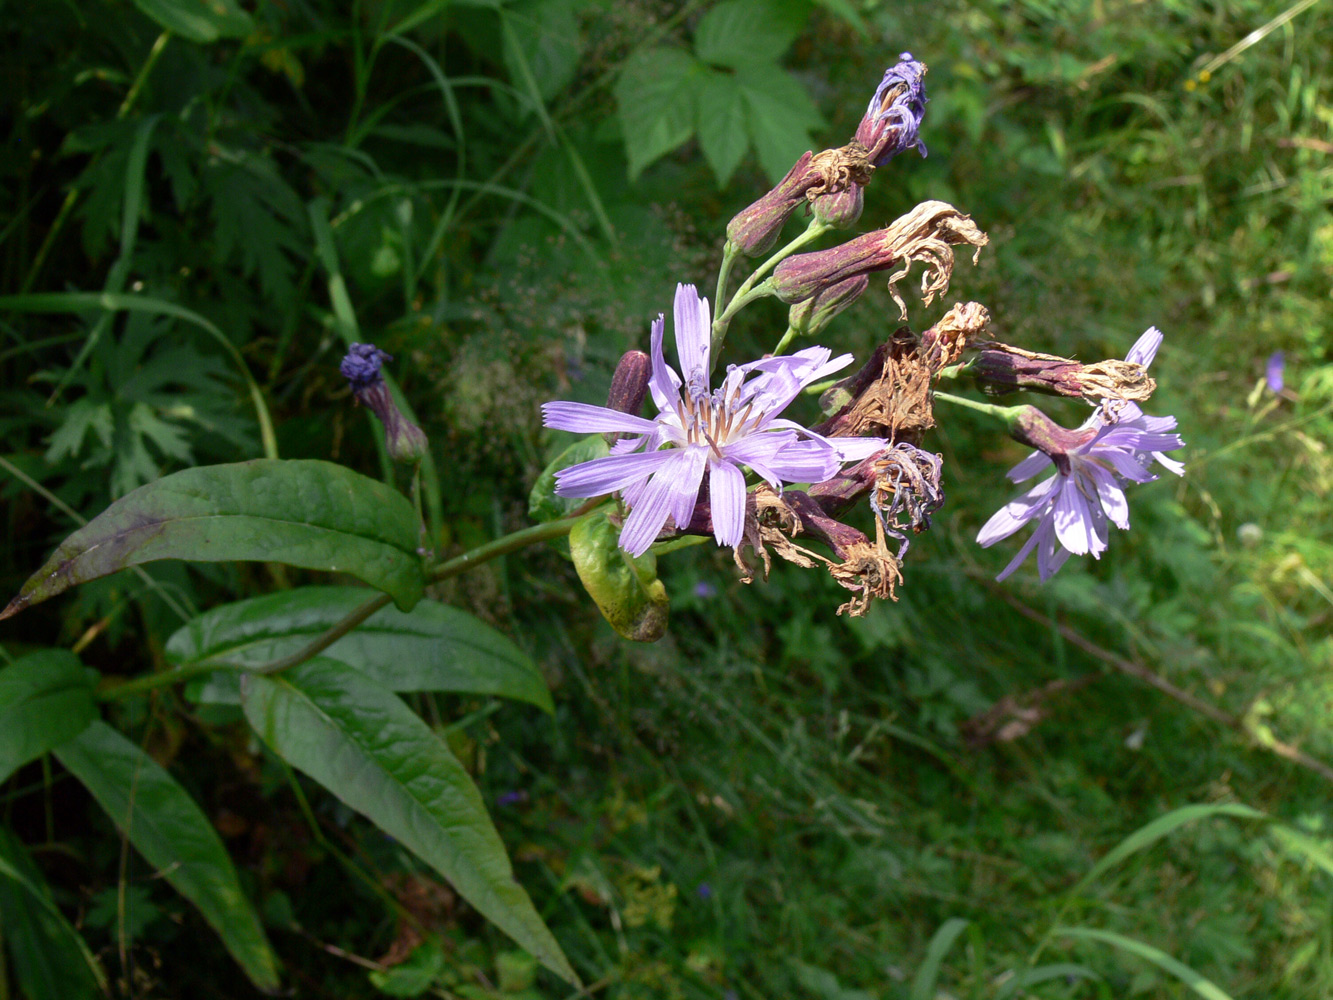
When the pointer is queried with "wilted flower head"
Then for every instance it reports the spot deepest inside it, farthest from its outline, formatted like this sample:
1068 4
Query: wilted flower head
406 442
659 470
892 121
1116 445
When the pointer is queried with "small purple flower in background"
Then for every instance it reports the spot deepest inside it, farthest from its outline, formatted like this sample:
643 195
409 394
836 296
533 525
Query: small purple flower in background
1117 444
660 469
1273 371
705 590
705 890
513 798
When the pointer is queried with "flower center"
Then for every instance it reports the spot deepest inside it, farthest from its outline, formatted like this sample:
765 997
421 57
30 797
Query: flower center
713 420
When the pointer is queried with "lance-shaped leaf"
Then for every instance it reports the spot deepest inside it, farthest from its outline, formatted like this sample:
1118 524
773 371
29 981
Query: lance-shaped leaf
369 749
433 647
625 589
50 959
169 829
316 515
45 699
199 21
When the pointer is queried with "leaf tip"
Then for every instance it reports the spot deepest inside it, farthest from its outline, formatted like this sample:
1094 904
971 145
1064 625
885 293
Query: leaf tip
14 607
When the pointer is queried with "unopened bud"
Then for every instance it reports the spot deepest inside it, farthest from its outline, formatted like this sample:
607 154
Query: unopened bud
404 440
629 385
807 318
841 209
892 121
755 229
1011 368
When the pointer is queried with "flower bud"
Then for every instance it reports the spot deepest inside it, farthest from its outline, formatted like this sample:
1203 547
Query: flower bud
1011 368
404 440
755 229
892 121
629 385
813 314
841 209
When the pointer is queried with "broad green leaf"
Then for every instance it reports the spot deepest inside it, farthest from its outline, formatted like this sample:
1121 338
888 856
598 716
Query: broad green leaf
543 503
740 32
367 747
625 589
199 20
923 985
433 647
779 115
45 699
1205 988
169 829
722 134
1149 834
312 514
50 959
656 94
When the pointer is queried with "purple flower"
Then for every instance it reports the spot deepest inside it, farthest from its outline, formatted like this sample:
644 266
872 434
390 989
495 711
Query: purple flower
1273 371
1116 445
659 470
405 441
893 118
361 366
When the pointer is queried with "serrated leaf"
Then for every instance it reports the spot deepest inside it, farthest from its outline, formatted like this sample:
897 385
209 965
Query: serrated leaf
433 647
722 129
51 961
199 20
45 699
544 504
169 829
779 116
625 589
307 513
740 32
543 44
368 748
656 94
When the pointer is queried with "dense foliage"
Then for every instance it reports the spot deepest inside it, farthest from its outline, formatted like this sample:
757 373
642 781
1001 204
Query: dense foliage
207 204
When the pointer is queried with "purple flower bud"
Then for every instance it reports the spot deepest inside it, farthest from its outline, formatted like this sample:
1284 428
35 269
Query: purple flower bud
405 441
810 316
1273 371
629 385
841 209
1009 368
755 229
893 119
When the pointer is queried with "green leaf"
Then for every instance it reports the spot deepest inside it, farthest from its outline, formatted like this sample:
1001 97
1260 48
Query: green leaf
923 986
366 747
51 961
305 513
414 976
780 116
1206 988
433 647
542 44
169 829
625 589
741 32
656 94
45 699
722 133
543 502
1149 834
199 20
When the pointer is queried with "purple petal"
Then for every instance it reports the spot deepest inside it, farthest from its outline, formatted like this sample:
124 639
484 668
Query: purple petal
606 475
1112 497
1145 348
584 418
1022 554
693 337
801 462
1050 557
726 485
1029 467
648 517
1018 512
1073 520
688 473
1170 464
664 384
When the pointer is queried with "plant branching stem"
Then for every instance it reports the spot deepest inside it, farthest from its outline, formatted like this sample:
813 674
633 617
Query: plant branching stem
1005 413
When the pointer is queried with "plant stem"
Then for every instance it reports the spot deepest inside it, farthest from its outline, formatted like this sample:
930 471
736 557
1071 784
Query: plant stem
787 338
729 255
1005 413
747 291
503 546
